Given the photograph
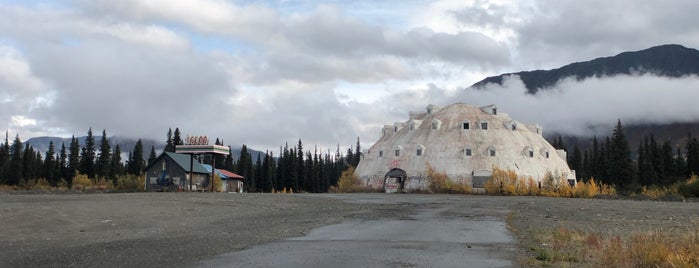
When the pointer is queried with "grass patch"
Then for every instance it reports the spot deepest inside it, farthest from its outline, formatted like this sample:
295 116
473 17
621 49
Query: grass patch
566 248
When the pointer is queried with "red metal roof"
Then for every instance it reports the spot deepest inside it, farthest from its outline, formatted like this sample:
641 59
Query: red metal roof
230 174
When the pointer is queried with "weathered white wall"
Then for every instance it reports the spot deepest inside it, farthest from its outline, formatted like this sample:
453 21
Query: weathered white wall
444 147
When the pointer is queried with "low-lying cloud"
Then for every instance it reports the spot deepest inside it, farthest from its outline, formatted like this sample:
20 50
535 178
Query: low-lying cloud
592 106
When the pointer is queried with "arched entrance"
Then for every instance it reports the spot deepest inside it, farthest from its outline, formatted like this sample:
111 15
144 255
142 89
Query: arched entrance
394 180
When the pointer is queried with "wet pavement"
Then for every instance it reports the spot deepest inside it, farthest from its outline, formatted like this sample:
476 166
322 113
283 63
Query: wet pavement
433 231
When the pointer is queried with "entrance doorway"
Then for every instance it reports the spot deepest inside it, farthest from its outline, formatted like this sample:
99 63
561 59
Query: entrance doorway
394 181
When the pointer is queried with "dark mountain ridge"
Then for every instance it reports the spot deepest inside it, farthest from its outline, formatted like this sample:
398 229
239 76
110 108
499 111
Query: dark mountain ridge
664 60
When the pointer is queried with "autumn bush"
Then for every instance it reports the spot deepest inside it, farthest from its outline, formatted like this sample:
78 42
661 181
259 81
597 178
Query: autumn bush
81 182
348 183
562 248
38 184
439 182
131 182
690 188
507 182
218 183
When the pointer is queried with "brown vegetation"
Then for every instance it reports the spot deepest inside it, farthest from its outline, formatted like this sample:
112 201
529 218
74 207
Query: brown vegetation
507 182
349 183
439 182
563 247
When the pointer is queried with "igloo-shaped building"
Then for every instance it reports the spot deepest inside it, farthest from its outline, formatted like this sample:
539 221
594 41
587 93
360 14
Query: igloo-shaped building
464 141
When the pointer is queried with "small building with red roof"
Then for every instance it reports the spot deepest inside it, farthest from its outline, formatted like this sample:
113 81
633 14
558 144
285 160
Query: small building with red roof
232 183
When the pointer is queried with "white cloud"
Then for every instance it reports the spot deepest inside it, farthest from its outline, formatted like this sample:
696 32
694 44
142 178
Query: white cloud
573 107
272 75
150 35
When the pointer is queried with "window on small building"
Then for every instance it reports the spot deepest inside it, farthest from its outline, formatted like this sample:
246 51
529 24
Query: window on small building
419 152
395 129
495 111
397 151
380 153
531 153
491 151
514 127
467 125
546 154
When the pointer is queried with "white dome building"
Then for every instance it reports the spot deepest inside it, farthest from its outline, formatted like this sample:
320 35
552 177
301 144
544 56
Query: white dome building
466 142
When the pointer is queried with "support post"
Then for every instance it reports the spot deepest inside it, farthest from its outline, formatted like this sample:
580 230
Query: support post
191 170
213 170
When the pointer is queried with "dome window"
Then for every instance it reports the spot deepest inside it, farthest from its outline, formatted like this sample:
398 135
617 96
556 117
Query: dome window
466 125
396 150
380 153
420 150
436 124
491 151
483 125
468 151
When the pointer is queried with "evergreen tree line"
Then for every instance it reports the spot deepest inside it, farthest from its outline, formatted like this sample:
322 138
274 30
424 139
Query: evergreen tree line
294 169
21 163
610 161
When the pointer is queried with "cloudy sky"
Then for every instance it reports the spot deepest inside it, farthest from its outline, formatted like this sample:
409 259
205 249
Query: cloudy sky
265 72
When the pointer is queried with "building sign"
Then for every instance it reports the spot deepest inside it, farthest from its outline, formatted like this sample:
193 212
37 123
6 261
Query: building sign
196 140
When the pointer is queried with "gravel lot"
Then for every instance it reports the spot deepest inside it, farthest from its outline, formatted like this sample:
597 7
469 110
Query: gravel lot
181 229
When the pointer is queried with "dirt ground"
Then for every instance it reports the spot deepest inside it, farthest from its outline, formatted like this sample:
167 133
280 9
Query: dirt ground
181 229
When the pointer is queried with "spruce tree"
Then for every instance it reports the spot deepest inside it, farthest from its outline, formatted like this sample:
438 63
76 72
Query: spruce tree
228 163
152 156
169 145
245 168
680 165
28 161
620 171
258 173
73 158
136 161
104 161
50 165
576 161
268 165
692 156
117 168
63 162
357 154
300 176
87 156
177 138
668 163
4 159
586 173
14 175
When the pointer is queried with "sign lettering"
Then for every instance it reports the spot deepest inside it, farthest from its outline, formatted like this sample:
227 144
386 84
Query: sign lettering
196 140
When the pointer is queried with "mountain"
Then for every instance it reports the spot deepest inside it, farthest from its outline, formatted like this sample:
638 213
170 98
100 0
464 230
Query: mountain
41 144
665 60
